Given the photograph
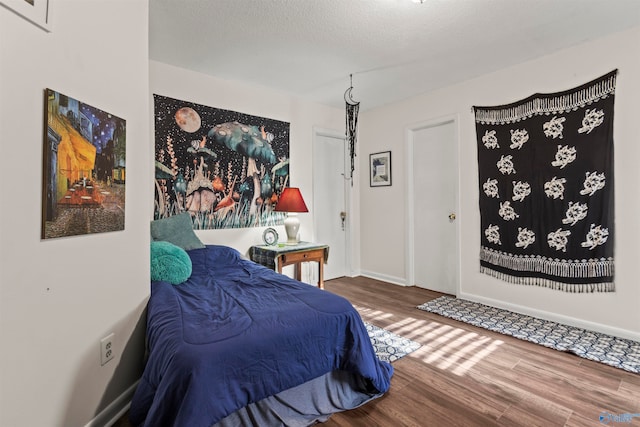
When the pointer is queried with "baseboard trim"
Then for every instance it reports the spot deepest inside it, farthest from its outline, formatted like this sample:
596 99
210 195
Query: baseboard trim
566 320
115 410
383 277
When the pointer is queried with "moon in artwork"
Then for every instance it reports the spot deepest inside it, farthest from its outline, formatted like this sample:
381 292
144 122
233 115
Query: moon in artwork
188 119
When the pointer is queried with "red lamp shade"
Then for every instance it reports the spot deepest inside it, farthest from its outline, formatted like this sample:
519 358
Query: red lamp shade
291 201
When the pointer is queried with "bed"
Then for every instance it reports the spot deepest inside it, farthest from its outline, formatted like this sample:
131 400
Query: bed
238 344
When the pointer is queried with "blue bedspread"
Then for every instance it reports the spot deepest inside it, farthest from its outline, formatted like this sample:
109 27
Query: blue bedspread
237 332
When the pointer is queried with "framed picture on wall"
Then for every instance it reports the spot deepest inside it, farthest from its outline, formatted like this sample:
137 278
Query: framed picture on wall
380 169
34 11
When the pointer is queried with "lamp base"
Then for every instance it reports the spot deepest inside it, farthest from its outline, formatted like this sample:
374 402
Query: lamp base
291 226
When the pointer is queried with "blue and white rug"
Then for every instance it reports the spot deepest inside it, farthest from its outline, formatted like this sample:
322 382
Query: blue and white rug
389 347
619 352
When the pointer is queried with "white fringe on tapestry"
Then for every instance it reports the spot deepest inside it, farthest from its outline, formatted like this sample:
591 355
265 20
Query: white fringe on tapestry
540 104
602 267
546 283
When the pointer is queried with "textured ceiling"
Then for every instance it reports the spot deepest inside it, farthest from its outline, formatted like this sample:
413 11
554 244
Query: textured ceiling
395 49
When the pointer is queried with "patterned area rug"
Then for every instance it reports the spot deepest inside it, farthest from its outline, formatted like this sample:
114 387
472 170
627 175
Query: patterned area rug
607 349
389 347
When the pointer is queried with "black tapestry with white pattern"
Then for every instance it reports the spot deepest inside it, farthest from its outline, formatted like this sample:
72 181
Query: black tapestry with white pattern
546 188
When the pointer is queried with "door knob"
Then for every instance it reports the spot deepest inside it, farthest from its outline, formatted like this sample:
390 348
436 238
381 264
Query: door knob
452 216
343 217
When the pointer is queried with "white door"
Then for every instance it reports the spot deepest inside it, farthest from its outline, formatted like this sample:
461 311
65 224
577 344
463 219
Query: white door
330 214
435 199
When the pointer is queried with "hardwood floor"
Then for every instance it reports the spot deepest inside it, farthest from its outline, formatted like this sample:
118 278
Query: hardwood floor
467 376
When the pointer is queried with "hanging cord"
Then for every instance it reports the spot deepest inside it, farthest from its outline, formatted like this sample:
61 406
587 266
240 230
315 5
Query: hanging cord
352 109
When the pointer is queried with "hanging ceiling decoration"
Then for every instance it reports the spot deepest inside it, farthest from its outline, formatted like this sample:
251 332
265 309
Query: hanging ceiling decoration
352 108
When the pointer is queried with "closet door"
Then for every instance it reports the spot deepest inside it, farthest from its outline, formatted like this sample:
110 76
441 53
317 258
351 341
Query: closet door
434 195
331 219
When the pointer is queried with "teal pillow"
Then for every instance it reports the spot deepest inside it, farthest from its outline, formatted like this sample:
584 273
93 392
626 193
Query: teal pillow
177 229
169 263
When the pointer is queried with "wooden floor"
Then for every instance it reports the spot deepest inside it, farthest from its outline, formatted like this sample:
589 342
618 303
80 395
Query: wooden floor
467 376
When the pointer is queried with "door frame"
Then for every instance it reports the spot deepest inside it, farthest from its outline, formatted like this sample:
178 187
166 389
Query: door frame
410 130
348 189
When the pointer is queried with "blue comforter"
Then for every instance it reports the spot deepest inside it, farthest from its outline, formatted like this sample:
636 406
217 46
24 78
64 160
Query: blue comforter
237 332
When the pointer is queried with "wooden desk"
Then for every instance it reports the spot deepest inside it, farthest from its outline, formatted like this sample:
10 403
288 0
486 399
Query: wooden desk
277 257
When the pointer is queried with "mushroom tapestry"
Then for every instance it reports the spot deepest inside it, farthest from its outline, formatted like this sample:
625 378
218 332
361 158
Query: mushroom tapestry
546 188
226 169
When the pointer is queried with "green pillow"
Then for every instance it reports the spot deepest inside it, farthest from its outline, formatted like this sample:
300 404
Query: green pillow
177 229
169 263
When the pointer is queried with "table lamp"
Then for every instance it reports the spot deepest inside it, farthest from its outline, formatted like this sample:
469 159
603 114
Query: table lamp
291 201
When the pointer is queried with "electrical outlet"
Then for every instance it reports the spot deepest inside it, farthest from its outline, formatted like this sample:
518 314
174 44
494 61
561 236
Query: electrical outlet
106 348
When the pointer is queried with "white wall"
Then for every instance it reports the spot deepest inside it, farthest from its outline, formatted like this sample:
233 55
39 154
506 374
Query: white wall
383 210
179 83
59 297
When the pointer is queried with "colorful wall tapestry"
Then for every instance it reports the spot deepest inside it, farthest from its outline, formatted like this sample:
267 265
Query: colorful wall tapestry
546 188
84 168
227 169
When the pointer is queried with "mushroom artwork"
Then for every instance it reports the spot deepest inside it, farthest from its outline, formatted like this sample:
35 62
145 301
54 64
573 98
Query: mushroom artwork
162 173
252 142
225 168
280 170
200 195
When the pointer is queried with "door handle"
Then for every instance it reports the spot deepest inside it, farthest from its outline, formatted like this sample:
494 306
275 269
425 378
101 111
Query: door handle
452 216
343 217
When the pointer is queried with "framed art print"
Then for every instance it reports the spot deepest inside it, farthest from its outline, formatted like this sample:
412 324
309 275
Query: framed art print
84 168
380 169
34 11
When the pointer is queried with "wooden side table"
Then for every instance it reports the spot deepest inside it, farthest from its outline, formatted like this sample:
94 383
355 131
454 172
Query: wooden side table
277 257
